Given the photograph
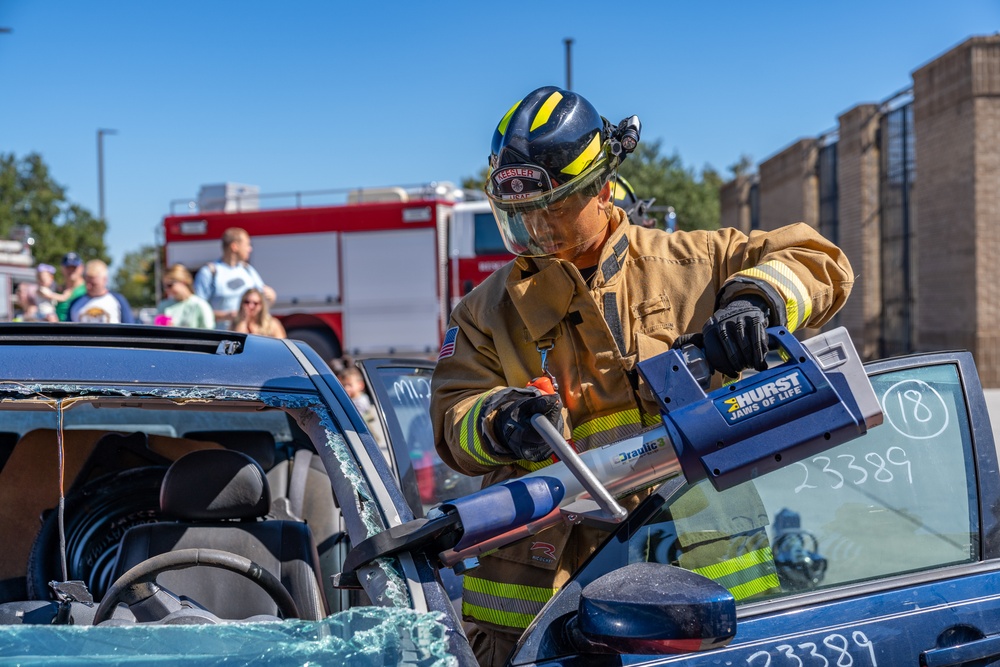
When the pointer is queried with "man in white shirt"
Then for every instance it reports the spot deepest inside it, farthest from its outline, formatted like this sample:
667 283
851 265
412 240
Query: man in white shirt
223 282
98 304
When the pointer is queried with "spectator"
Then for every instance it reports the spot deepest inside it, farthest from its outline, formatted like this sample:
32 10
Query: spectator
73 287
46 274
182 307
224 281
31 306
253 316
98 304
354 384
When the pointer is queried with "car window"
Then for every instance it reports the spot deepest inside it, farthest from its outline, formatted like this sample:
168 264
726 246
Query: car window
900 499
403 393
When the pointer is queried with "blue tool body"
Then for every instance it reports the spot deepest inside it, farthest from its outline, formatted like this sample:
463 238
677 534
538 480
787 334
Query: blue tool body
769 420
503 507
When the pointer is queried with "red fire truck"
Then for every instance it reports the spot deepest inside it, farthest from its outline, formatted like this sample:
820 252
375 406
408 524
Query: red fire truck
375 273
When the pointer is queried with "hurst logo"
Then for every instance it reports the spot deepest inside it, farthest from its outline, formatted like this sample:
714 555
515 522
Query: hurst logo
764 396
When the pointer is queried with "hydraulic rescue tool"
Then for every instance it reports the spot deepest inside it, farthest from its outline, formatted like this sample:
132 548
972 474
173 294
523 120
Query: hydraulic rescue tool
817 398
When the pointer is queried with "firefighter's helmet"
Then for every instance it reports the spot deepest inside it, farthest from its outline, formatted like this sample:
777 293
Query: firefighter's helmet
624 197
550 146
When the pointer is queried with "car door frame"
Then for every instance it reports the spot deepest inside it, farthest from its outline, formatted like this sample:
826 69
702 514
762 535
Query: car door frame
783 616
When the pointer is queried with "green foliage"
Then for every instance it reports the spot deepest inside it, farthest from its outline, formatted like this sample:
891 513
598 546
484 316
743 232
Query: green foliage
694 197
29 196
136 279
477 182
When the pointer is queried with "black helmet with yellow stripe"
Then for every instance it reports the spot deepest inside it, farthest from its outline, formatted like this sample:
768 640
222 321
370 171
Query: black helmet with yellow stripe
624 197
550 146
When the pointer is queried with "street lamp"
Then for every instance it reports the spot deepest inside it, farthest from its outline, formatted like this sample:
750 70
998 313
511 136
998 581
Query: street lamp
100 169
569 63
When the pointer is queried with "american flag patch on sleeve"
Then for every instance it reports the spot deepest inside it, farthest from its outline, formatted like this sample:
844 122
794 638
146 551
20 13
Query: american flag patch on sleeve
448 346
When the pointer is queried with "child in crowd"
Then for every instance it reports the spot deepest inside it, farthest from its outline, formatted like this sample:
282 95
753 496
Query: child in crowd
46 274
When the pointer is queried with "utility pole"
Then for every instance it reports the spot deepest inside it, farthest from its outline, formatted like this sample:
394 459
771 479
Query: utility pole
100 170
569 63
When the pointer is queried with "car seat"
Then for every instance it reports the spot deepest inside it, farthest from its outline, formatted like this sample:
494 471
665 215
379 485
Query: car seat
218 499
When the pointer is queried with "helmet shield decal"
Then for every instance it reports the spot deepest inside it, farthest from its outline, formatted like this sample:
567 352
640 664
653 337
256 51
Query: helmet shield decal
519 182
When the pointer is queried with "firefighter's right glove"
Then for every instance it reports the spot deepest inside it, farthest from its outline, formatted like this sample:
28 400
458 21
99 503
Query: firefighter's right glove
735 337
512 431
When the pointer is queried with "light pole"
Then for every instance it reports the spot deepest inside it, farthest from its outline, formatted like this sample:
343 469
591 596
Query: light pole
100 169
569 65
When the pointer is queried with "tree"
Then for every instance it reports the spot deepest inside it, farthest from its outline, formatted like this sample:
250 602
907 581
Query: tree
136 279
694 197
30 196
477 182
742 167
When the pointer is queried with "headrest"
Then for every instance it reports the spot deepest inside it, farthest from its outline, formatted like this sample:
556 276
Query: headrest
258 445
213 484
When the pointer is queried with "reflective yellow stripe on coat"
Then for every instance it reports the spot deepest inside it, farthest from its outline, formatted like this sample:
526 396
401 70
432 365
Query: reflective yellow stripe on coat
798 305
602 431
470 441
509 605
745 576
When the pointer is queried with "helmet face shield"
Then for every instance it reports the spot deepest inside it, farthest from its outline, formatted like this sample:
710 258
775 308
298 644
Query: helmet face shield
536 220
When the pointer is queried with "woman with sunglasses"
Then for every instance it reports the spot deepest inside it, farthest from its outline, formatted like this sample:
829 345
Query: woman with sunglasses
254 317
182 307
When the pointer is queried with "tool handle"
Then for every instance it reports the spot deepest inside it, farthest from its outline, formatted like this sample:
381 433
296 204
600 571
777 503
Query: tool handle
543 384
586 477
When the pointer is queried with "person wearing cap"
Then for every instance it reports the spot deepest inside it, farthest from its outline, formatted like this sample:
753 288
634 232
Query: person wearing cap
587 297
73 286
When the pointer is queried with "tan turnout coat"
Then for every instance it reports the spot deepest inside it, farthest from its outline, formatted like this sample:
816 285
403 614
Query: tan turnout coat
650 287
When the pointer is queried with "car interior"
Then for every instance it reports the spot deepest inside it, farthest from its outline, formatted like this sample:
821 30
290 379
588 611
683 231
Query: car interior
218 499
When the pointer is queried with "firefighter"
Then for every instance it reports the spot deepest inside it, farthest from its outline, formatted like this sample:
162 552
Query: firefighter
588 296
623 196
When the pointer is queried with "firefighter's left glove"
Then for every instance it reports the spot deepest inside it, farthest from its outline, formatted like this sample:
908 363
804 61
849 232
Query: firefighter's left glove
513 435
735 337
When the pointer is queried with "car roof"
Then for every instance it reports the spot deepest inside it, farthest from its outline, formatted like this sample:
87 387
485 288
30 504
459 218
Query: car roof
148 355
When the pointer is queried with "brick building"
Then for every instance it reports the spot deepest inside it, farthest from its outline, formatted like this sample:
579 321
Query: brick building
910 188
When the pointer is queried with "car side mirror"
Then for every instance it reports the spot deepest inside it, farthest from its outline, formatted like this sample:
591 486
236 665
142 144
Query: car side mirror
653 608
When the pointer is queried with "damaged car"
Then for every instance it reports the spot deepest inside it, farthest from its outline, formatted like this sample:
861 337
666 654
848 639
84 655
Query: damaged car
170 493
206 497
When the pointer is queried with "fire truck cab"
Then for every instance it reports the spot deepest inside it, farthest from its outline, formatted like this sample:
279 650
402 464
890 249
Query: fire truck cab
375 273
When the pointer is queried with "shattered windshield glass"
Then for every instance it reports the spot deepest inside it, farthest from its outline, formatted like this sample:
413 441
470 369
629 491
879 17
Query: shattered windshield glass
83 465
370 636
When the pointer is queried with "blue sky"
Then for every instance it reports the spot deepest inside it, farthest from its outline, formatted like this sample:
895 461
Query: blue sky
308 95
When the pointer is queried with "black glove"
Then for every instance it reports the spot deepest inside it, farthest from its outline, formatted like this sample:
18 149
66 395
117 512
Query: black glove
512 429
735 337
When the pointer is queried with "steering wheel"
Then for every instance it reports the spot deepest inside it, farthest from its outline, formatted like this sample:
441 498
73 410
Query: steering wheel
797 558
139 583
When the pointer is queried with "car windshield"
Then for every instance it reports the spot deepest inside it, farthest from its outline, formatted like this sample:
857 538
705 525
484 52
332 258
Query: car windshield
106 451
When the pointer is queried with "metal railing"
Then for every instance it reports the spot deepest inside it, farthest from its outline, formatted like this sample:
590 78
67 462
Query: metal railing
254 201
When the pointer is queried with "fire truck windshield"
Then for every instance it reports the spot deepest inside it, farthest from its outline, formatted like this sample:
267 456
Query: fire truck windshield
488 239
